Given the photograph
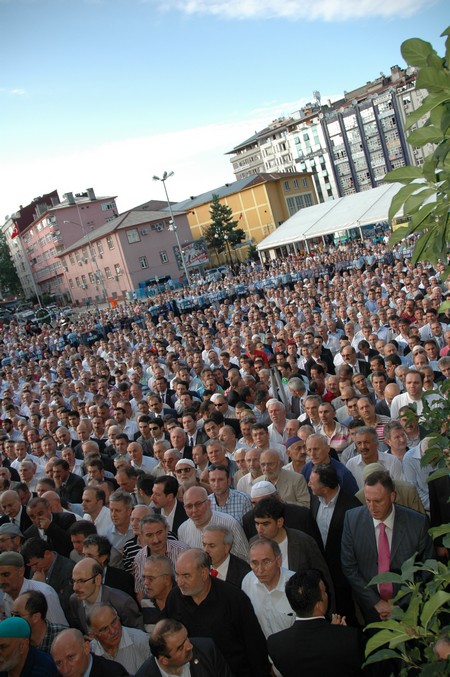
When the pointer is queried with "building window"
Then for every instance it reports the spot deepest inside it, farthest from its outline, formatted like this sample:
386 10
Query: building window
71 285
133 236
84 280
77 280
108 272
110 242
100 247
305 183
163 256
298 202
295 183
92 278
72 258
287 185
117 269
143 262
106 206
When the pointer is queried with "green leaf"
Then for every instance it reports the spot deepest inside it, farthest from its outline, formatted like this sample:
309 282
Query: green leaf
415 52
387 577
421 214
429 169
374 643
442 529
403 175
430 102
423 251
412 613
420 137
443 307
429 608
433 79
400 197
415 200
381 655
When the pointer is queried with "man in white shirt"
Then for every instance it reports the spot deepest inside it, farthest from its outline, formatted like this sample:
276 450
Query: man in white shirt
366 440
265 586
138 460
95 510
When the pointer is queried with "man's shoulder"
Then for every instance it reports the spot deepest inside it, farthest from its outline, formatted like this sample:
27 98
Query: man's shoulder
103 666
411 516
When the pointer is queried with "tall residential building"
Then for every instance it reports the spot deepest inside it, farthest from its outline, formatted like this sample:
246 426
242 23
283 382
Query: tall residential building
348 145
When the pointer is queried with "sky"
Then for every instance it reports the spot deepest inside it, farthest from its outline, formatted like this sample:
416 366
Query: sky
108 93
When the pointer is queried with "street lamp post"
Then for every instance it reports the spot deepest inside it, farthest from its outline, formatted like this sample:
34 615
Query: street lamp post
93 258
173 225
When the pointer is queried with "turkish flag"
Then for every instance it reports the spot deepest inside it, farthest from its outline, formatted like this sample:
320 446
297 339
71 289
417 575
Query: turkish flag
15 231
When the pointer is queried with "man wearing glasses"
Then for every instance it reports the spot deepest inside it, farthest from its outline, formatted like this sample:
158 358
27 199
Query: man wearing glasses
110 639
87 579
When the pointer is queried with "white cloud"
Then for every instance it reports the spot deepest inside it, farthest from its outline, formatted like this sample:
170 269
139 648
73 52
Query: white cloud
125 167
326 10
16 91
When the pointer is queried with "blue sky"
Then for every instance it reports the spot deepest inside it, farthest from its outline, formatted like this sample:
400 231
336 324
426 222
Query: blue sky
107 93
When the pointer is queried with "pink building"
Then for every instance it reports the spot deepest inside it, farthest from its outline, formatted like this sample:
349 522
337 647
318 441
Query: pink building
134 249
56 227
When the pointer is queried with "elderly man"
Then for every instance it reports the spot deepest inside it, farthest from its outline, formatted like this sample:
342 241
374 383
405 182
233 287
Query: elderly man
264 585
198 509
252 461
154 538
291 486
120 508
18 656
173 653
10 538
71 653
217 542
13 583
216 609
13 511
366 439
178 440
138 460
318 450
99 548
159 579
89 590
112 640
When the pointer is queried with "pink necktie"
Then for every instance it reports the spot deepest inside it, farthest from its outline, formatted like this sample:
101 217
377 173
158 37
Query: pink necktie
386 590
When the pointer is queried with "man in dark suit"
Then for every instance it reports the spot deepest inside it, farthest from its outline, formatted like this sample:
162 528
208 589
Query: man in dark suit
327 498
302 550
217 542
49 567
71 653
13 511
87 584
52 526
202 655
68 485
313 646
99 548
165 490
348 354
295 516
379 537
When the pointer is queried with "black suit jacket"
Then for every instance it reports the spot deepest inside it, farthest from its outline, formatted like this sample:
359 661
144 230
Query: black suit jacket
206 661
237 570
25 522
57 536
315 647
382 408
73 489
179 517
295 517
364 367
119 579
333 546
102 666
60 580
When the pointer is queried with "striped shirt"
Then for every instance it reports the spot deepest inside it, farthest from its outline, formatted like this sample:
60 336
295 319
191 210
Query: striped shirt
174 550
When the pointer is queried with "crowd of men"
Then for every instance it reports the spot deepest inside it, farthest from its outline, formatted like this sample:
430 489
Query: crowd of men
211 490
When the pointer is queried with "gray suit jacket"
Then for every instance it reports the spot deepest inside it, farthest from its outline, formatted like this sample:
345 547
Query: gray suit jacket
359 553
126 608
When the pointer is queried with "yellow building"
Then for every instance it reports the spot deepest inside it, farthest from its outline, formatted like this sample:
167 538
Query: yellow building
260 203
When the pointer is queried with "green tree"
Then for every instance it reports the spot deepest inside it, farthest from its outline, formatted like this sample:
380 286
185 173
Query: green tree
222 233
424 197
9 280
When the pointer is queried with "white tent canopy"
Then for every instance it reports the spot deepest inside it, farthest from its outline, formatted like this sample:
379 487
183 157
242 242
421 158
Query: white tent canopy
334 216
